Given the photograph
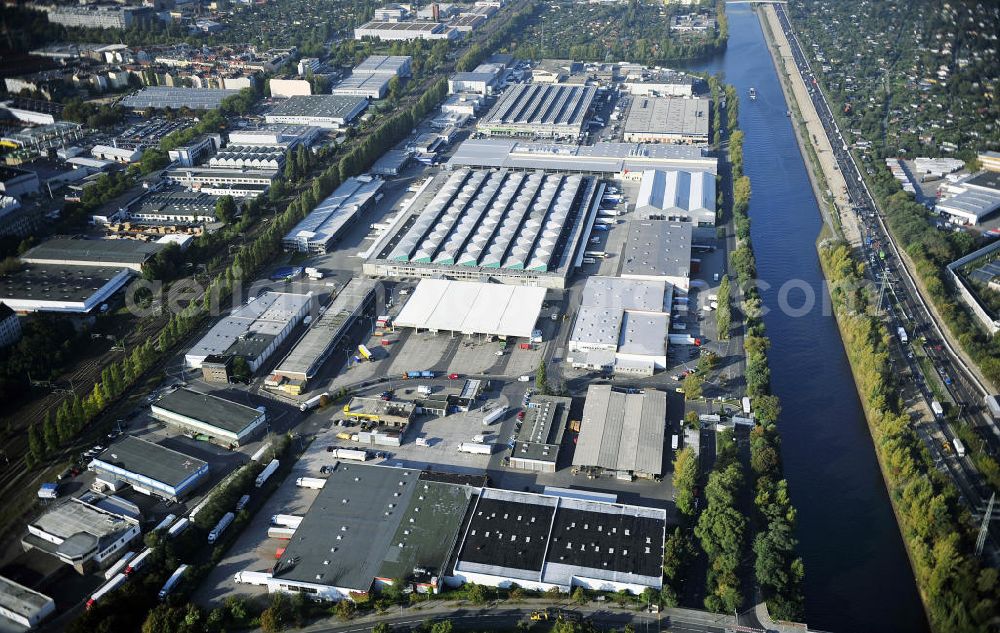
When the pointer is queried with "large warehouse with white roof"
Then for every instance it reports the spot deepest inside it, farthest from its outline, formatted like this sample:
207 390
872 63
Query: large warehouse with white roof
517 228
677 195
622 325
471 307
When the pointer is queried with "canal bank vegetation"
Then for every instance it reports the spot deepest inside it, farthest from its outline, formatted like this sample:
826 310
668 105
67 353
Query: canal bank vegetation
959 593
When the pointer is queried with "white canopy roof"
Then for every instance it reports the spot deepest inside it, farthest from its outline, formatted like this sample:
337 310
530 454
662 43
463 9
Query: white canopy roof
472 308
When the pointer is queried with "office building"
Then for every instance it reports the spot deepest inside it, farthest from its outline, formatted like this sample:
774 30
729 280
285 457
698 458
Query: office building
253 330
516 228
196 151
319 230
81 534
667 120
471 307
536 445
23 606
330 112
224 421
149 468
10 327
355 302
600 159
94 16
540 111
622 326
622 433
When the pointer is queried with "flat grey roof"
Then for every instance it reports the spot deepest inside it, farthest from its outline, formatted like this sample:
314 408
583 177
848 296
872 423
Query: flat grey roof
305 359
324 223
542 429
622 432
267 315
53 282
604 158
975 202
151 460
98 252
383 64
219 412
604 316
657 248
319 106
21 600
349 533
169 97
362 81
177 203
81 525
687 117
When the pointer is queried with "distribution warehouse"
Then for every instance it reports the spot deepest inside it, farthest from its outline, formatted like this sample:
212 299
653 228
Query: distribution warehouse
517 228
470 307
372 524
253 330
536 446
540 110
324 224
149 468
668 120
622 433
622 325
223 420
677 195
325 111
358 300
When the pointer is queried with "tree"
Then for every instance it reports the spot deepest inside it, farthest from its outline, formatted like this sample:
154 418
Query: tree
50 435
685 480
580 596
346 609
476 593
692 386
36 446
240 371
692 420
542 379
767 408
381 627
225 209
442 626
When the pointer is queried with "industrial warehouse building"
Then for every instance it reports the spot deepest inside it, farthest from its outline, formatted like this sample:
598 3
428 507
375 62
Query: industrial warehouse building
974 199
622 433
162 97
22 605
253 330
285 136
249 157
223 181
357 300
622 326
106 253
149 468
340 210
682 196
515 228
227 422
363 85
330 112
391 65
536 446
469 307
658 250
667 120
540 110
370 525
61 288
391 31
544 542
174 207
599 159
81 534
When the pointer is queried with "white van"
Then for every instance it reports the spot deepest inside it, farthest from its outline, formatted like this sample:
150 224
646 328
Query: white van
524 379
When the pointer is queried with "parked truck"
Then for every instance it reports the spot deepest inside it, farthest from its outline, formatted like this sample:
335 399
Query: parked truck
286 520
165 523
178 527
105 589
220 527
674 442
937 408
280 533
363 351
314 273
313 402
259 453
266 473
313 483
494 415
242 503
138 562
903 338
172 581
350 454
251 577
48 491
475 448
424 390
119 566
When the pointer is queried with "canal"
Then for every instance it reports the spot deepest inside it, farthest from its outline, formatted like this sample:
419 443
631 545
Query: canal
858 577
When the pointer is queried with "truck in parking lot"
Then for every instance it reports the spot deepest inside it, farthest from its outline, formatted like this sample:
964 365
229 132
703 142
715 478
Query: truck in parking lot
475 448
993 405
266 473
494 415
959 447
220 527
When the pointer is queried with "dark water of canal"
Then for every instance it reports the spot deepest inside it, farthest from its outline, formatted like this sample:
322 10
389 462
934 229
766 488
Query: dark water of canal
857 575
